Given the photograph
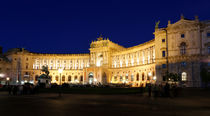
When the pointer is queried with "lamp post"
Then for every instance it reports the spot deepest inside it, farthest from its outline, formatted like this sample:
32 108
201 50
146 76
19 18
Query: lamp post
60 70
7 80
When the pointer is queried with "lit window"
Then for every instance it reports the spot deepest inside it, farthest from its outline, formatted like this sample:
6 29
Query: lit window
163 53
126 78
184 76
132 78
183 48
163 40
182 35
115 78
121 78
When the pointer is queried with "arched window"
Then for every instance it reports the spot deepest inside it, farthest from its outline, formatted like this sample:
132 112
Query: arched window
81 78
63 78
142 76
36 77
56 78
115 78
183 48
75 78
137 77
69 78
121 78
184 76
132 77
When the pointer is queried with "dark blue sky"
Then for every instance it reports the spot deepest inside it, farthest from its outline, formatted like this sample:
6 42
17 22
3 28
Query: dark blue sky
57 26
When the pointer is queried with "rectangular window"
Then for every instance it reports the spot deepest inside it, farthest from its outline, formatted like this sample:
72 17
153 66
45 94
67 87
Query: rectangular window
163 40
182 35
208 34
163 65
163 53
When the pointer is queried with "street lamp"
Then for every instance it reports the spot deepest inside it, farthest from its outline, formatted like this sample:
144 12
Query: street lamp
7 80
60 70
2 75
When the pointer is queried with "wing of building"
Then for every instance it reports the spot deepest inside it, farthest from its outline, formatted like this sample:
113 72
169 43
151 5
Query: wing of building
182 47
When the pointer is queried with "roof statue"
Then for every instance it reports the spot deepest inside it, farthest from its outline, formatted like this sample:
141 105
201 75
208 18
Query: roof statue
157 24
182 16
100 38
169 22
196 18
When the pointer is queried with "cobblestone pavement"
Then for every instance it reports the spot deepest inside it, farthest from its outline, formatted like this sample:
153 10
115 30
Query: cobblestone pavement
103 105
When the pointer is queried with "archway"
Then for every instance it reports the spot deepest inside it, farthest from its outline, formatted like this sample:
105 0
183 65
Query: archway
184 76
104 78
90 78
69 78
81 78
137 77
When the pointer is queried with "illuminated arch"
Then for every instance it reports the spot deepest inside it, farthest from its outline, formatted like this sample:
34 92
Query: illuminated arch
184 76
137 77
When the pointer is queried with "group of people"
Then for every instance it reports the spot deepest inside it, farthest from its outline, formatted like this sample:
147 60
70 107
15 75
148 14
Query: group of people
22 89
166 90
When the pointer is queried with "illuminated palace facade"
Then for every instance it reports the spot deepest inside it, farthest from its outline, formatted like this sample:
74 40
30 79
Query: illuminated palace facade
182 47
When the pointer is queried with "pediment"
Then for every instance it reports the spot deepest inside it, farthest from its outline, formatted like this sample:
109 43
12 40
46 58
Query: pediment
183 24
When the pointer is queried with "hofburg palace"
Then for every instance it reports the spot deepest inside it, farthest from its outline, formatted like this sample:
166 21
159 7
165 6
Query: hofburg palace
182 47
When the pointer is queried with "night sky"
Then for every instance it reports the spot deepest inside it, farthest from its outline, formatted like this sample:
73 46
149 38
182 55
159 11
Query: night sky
57 26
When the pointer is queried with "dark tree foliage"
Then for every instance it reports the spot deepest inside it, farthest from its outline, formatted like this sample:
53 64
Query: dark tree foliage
205 75
175 77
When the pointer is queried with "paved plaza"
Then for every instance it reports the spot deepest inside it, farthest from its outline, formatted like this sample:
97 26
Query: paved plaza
189 104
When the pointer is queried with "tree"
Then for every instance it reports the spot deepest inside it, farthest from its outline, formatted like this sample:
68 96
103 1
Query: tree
175 77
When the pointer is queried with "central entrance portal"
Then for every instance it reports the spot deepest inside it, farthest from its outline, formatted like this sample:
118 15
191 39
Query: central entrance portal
90 78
